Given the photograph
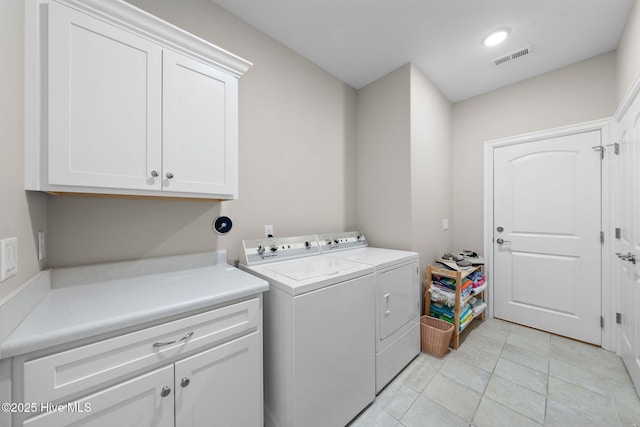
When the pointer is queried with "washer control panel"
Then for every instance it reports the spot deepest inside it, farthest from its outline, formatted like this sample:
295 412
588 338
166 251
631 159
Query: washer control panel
341 241
271 249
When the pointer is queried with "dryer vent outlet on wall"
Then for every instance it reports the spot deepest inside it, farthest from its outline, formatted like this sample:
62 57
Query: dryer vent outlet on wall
513 55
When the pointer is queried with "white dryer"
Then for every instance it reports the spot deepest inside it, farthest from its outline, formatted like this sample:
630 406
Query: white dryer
397 335
319 365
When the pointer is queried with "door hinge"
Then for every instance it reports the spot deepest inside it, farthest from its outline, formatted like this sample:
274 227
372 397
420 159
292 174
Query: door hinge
616 147
618 232
602 237
601 322
619 318
600 149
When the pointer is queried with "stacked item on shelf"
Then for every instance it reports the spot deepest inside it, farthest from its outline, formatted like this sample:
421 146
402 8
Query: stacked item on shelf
445 312
479 281
448 284
477 306
443 297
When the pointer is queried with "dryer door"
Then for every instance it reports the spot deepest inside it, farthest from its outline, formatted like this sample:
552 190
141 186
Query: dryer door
398 298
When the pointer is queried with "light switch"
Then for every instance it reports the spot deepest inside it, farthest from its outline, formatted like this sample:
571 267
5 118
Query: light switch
41 246
445 224
8 258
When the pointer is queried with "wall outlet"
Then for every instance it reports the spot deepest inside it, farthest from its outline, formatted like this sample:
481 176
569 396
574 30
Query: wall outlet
41 246
8 258
268 231
445 224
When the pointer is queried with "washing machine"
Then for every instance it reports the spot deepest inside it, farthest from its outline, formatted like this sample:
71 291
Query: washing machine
397 293
319 327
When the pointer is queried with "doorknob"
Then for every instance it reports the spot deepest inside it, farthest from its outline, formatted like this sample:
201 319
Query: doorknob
500 241
628 257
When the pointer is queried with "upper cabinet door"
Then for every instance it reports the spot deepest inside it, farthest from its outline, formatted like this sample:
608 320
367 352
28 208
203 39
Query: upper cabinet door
105 91
200 127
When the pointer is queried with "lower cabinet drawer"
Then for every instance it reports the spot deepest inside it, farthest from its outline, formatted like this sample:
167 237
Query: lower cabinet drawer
50 378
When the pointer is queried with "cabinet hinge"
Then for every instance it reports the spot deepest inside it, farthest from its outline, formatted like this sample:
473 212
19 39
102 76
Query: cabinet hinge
619 318
602 237
601 322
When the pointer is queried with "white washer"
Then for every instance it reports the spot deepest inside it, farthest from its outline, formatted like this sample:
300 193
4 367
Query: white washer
319 364
397 299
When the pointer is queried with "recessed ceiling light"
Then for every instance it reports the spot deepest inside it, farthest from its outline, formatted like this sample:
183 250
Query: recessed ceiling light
496 37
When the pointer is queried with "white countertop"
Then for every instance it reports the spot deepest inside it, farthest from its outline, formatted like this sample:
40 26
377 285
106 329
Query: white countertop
70 313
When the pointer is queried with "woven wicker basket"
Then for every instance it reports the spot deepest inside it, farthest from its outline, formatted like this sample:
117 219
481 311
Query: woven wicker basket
435 335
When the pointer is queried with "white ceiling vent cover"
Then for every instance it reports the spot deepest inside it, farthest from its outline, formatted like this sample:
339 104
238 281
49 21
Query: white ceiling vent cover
513 55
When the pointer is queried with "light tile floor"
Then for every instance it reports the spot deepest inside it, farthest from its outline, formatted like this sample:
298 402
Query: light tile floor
509 375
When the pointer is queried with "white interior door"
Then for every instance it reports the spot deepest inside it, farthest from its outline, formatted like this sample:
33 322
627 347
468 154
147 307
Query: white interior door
547 202
628 221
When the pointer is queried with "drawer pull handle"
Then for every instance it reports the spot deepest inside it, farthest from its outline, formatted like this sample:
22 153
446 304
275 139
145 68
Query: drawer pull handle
162 344
165 391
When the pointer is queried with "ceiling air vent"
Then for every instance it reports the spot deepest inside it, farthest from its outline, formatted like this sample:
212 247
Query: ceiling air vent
513 55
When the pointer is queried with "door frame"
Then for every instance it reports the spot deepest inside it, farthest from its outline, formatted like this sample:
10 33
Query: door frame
609 291
630 96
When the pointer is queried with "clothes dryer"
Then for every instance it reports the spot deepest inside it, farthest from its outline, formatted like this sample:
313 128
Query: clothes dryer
397 293
319 324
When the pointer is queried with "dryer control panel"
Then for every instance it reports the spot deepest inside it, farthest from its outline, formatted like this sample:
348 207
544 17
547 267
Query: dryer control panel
341 241
271 249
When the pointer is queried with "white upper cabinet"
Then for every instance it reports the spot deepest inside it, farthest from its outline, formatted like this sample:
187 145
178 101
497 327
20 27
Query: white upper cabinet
120 102
199 119
105 112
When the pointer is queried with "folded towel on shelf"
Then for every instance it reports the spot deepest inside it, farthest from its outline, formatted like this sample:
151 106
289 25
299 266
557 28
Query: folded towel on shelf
479 308
480 288
445 296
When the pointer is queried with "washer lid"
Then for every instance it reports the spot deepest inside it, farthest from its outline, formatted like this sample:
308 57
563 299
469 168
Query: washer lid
307 274
377 257
306 270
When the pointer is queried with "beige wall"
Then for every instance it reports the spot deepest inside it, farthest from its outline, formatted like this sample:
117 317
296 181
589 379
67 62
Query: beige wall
22 215
628 54
300 131
297 159
384 172
431 116
577 93
404 153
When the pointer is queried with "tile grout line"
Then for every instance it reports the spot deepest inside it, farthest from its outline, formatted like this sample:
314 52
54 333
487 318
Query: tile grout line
493 373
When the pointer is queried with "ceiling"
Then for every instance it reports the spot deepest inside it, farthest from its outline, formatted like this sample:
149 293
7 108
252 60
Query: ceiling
359 41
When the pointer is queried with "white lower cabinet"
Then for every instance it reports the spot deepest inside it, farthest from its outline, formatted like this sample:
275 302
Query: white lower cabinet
221 386
137 402
204 370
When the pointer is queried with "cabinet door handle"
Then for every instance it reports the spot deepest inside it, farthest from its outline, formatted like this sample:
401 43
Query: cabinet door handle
185 382
169 175
161 344
154 174
166 391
